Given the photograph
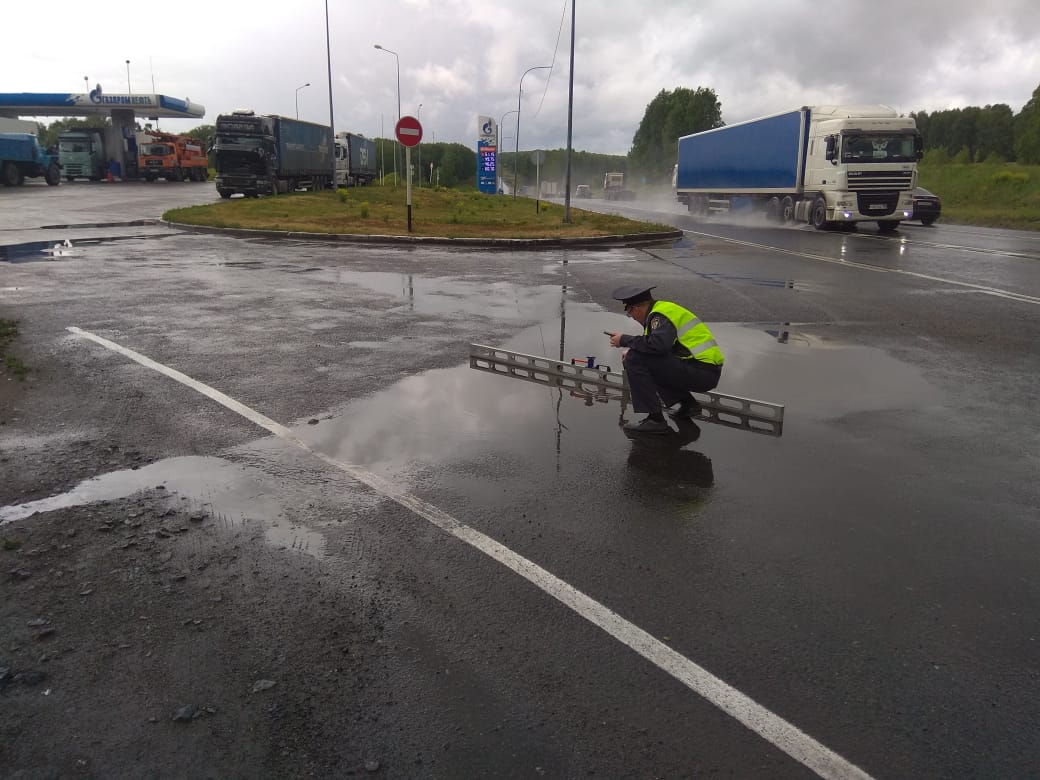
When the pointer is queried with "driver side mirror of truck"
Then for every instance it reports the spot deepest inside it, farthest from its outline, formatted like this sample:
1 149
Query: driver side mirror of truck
918 146
829 154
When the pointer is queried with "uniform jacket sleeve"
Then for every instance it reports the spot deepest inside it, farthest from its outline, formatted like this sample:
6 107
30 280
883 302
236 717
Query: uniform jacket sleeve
659 342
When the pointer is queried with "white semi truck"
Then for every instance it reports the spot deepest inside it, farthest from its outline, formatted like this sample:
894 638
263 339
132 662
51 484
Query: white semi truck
830 166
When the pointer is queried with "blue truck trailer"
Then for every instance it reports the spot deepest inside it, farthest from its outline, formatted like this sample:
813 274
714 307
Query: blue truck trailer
830 166
266 155
22 157
355 160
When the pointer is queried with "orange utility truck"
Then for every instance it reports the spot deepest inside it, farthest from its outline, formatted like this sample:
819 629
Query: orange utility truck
173 157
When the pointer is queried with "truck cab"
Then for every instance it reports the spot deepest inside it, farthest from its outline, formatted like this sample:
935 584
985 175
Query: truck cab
82 154
864 167
173 157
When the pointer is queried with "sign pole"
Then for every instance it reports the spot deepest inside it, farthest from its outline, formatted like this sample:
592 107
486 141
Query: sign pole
409 133
408 170
537 182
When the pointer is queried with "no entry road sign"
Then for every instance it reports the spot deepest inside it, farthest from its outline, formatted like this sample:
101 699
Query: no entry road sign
409 131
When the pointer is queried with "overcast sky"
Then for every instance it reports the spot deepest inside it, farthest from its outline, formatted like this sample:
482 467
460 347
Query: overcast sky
464 58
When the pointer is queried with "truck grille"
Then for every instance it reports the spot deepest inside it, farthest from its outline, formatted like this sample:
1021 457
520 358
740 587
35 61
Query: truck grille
877 192
880 181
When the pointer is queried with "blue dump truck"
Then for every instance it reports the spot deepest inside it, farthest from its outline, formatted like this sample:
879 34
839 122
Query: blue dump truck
266 155
830 166
355 160
21 157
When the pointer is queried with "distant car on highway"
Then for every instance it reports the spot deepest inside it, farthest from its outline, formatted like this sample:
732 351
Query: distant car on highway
583 191
927 206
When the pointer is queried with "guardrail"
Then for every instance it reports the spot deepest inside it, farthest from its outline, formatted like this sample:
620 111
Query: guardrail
599 383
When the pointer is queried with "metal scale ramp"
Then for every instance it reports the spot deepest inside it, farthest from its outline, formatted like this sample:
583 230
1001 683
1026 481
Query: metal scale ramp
601 384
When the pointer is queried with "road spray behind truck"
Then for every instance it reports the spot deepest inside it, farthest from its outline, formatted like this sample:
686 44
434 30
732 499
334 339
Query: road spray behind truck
826 165
22 157
265 155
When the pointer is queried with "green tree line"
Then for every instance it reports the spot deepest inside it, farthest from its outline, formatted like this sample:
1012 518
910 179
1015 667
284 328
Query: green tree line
972 134
992 133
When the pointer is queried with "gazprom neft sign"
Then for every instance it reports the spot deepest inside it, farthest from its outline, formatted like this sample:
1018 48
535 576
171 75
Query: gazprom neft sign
98 98
487 154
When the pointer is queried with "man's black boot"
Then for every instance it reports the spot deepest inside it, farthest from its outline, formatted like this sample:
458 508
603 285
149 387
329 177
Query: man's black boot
687 409
653 423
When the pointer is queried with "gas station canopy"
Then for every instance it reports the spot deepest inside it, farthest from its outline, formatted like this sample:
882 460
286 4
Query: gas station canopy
15 104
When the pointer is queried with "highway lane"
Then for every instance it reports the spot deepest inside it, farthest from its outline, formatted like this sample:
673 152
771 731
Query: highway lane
869 576
1004 260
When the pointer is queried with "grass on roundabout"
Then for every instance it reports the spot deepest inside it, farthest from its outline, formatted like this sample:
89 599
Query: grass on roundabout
382 210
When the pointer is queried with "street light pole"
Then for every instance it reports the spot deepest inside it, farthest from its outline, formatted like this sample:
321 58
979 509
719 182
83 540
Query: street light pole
396 57
570 124
516 156
332 116
298 98
128 89
501 137
418 149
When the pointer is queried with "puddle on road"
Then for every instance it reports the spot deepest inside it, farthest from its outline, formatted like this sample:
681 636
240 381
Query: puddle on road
414 420
481 437
445 295
233 495
39 251
62 248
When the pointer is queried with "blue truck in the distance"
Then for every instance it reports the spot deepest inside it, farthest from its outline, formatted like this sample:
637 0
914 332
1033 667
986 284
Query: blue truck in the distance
22 157
266 155
830 166
355 160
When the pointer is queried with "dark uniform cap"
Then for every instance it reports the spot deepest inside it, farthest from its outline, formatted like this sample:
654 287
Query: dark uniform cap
633 293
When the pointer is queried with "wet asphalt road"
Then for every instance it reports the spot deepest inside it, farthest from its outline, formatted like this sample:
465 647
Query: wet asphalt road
870 576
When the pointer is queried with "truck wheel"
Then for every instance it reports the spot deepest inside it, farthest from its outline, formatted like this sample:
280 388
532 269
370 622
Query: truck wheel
11 175
53 177
224 193
773 209
787 209
70 178
888 225
818 217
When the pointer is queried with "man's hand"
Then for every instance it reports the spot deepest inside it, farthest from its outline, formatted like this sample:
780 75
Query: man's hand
615 338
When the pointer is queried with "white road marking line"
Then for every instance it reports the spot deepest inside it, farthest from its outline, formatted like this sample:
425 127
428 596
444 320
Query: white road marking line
768 725
1014 296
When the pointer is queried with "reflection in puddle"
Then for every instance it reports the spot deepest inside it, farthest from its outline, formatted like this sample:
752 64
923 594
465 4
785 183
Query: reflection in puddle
232 494
458 415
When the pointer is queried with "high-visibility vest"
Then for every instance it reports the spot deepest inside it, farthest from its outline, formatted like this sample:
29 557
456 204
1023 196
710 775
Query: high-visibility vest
690 332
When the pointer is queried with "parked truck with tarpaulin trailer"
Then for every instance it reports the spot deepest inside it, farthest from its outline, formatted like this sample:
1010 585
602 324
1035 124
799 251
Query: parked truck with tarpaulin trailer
22 157
265 155
355 160
82 154
173 157
825 165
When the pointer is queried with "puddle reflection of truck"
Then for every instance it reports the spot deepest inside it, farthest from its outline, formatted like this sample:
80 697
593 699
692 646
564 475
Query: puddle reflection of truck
22 157
173 157
82 154
265 155
830 166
